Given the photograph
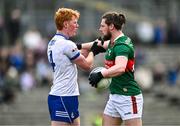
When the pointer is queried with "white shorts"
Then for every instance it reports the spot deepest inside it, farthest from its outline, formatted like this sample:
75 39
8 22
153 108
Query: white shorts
125 107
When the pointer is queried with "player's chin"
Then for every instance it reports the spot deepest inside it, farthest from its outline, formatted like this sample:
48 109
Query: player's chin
73 34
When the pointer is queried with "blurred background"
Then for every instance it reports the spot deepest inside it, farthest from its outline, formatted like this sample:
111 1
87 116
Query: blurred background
26 26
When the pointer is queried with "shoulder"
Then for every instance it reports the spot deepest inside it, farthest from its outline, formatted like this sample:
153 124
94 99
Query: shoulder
124 41
69 43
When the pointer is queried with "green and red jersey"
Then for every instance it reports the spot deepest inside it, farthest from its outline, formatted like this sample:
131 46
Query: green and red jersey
125 83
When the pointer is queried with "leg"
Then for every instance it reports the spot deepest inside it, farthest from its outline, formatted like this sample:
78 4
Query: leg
58 123
111 121
133 122
76 122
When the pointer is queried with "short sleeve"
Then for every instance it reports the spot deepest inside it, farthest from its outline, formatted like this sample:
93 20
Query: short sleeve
71 50
121 50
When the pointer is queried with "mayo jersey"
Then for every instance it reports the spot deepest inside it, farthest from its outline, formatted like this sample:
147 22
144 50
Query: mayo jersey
61 52
124 84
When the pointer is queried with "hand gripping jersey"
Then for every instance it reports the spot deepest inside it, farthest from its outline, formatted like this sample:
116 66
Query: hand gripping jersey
61 52
125 83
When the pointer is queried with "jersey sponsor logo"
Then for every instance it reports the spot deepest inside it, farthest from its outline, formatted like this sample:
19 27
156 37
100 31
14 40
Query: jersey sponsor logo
109 52
61 114
125 89
128 113
72 115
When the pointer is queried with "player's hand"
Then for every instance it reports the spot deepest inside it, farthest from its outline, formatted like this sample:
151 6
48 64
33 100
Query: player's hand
79 46
96 49
101 39
94 78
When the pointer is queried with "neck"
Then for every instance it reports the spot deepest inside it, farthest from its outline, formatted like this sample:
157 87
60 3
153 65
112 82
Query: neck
115 34
63 33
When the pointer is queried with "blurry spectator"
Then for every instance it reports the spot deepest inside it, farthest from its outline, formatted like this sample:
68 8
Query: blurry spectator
173 33
29 59
140 56
14 25
144 77
17 57
27 81
32 39
27 77
145 32
43 71
7 76
1 31
4 61
159 72
173 72
160 32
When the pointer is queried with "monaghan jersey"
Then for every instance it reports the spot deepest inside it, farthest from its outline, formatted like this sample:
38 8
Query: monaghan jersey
125 83
61 52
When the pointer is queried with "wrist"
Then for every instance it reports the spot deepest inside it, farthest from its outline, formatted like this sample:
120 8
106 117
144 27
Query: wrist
104 73
91 53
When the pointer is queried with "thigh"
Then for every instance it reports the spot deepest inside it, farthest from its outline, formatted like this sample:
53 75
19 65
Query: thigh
110 109
59 123
76 122
111 121
129 107
133 122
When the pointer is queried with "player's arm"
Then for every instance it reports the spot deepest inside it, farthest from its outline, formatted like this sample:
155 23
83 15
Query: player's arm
85 63
118 69
88 45
121 61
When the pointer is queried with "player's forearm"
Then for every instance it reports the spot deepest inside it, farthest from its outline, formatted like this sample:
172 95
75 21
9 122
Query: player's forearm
87 45
90 59
112 72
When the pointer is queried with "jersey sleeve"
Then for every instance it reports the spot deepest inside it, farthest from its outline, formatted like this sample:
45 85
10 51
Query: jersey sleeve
71 51
121 50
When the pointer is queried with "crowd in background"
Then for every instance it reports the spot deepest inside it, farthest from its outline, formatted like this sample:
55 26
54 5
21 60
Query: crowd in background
23 60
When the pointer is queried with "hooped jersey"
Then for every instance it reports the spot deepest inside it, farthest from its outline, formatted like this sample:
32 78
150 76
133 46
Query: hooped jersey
61 52
125 83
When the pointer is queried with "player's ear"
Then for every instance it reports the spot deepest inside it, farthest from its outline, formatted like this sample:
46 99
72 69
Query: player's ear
111 26
65 24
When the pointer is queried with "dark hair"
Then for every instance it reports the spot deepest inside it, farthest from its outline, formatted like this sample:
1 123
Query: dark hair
117 19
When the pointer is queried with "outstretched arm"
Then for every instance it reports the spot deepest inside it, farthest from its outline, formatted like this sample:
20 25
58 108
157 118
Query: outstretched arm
88 45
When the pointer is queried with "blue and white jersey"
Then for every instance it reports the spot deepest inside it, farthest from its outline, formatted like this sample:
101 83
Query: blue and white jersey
61 52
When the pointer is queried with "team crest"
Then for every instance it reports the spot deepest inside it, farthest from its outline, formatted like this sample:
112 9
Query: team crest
73 50
72 115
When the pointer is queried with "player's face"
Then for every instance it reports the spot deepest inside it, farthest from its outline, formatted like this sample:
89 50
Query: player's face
104 29
72 26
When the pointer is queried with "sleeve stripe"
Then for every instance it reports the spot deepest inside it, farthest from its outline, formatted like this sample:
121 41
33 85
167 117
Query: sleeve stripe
77 55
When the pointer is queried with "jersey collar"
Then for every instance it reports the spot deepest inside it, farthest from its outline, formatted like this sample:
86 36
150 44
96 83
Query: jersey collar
119 36
60 34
